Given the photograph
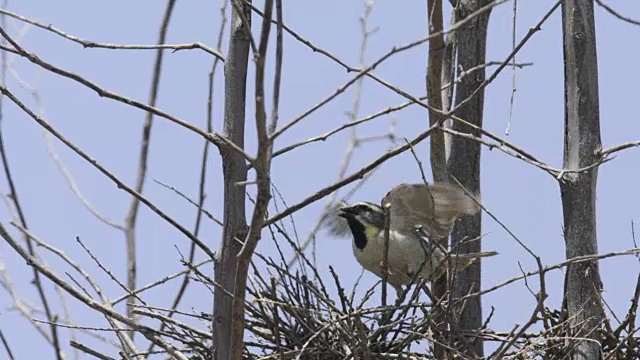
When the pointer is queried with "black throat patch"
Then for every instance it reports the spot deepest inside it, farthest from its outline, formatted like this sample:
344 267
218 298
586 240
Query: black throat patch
357 229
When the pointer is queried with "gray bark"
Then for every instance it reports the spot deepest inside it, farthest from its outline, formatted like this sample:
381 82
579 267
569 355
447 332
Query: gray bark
464 161
234 171
434 92
438 153
578 190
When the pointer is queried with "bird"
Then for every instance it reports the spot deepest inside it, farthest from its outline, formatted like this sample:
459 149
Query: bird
416 215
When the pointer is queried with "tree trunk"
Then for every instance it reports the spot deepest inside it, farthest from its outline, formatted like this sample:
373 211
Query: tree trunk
438 154
464 161
581 148
434 89
234 171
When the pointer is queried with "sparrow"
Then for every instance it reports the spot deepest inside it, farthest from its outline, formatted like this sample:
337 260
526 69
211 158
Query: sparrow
417 216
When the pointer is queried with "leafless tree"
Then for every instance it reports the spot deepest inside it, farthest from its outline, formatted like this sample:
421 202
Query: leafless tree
582 149
235 173
268 294
464 162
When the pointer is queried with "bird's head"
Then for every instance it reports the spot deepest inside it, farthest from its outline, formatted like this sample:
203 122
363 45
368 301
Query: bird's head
363 217
364 212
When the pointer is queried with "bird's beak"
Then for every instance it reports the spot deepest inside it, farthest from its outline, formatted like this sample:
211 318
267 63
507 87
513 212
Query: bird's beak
346 212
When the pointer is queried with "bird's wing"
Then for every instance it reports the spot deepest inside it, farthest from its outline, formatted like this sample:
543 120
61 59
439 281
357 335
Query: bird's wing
409 206
336 225
434 207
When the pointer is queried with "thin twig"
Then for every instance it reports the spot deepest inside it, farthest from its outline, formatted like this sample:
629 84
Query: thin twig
278 70
143 157
7 348
203 170
513 66
104 171
93 44
215 138
611 11
15 199
385 256
355 176
89 351
148 332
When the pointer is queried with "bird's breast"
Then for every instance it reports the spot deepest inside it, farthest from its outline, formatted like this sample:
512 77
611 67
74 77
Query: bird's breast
405 251
368 256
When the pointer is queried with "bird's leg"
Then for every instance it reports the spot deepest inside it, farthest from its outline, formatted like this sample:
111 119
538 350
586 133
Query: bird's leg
385 272
422 232
399 292
384 268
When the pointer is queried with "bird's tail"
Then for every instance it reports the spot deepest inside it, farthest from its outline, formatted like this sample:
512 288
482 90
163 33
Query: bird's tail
475 255
449 203
460 262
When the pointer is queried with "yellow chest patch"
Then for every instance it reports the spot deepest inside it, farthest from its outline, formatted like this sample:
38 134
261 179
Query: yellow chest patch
371 232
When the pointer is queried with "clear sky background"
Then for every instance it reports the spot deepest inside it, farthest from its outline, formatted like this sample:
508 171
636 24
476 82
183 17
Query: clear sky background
524 198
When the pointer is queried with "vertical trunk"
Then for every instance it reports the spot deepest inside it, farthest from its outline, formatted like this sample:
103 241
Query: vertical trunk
434 89
578 190
464 161
438 149
234 171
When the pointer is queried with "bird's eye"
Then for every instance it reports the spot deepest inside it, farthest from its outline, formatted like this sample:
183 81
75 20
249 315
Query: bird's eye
360 208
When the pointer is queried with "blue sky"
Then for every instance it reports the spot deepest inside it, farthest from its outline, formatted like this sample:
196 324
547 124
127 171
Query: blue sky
524 198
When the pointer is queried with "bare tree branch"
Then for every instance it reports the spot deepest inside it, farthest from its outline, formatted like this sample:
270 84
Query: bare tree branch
203 170
149 333
104 171
216 139
93 44
611 11
278 304
15 199
143 157
6 346
355 176
89 351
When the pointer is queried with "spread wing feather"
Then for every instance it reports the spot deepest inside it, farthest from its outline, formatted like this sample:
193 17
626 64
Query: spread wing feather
433 208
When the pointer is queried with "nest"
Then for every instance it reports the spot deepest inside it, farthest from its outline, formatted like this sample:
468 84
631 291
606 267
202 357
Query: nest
292 315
